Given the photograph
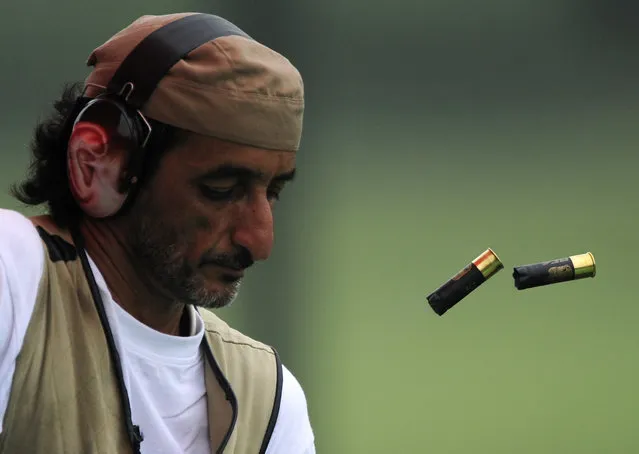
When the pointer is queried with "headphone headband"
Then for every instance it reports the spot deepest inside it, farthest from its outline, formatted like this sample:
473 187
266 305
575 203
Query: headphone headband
141 71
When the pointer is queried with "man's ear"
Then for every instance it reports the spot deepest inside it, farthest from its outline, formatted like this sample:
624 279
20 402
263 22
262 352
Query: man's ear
95 168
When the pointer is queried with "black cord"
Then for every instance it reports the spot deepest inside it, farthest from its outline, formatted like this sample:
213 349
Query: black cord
133 431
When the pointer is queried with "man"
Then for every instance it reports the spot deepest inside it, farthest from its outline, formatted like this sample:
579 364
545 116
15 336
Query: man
160 195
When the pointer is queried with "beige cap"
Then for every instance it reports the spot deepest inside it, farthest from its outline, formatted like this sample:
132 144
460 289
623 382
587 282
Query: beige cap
232 87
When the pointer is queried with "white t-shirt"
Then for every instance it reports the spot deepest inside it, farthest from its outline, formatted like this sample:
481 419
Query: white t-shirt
163 374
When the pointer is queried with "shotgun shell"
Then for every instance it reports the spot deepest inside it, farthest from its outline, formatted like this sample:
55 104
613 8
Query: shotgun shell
465 281
555 271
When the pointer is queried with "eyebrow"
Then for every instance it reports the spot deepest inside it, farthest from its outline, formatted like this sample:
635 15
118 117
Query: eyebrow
244 173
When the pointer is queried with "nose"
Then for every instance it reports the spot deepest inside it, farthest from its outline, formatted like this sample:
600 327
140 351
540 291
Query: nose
254 229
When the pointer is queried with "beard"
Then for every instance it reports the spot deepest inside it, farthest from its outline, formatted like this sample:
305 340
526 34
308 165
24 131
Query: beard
161 249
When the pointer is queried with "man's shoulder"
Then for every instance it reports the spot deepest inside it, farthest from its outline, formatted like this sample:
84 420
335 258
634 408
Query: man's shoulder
19 240
293 431
13 223
294 397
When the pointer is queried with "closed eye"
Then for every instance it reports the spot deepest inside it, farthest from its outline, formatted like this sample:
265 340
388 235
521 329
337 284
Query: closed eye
218 193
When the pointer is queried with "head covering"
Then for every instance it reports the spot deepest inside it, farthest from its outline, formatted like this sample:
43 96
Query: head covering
231 87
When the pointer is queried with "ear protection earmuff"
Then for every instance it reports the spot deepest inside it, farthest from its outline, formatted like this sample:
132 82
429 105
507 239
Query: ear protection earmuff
135 80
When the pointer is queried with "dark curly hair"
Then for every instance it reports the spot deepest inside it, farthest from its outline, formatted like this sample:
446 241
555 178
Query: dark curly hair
47 180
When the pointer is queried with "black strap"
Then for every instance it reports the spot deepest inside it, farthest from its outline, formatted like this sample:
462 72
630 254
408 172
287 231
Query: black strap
226 387
276 404
133 431
155 55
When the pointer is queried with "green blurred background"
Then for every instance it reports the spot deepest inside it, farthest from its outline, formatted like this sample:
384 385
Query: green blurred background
434 129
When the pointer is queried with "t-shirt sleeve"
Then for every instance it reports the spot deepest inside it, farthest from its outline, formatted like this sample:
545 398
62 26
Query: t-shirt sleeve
293 433
21 268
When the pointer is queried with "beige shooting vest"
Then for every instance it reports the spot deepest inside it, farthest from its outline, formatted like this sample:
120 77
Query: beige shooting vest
65 397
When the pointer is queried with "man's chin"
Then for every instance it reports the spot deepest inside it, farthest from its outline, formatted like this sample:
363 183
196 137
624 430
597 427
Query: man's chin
216 298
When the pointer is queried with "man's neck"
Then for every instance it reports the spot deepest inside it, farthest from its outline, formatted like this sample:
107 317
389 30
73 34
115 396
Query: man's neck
133 289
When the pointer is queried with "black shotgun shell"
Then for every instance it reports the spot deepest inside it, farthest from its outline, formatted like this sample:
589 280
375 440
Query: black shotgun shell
465 281
555 271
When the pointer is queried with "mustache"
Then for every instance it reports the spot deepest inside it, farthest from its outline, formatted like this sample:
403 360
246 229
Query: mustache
238 260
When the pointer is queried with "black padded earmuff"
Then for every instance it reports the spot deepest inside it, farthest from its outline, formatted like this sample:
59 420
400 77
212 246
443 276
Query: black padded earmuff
139 74
124 126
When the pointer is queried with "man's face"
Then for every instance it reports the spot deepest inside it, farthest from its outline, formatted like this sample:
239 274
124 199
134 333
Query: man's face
206 216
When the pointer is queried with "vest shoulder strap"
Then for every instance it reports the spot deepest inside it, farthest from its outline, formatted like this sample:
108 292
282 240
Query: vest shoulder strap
250 372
